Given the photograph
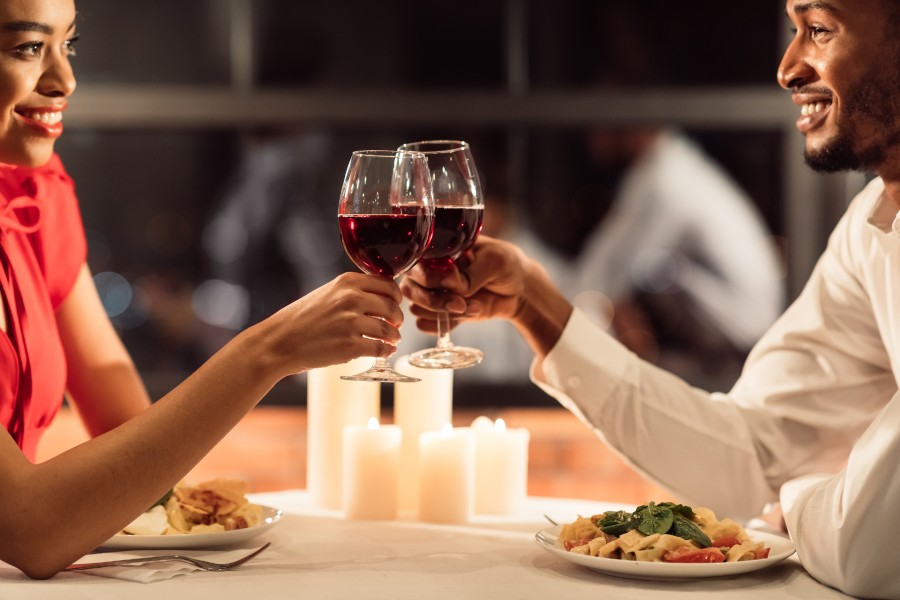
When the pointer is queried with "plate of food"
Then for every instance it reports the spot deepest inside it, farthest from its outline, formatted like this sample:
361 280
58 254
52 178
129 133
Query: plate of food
664 542
211 514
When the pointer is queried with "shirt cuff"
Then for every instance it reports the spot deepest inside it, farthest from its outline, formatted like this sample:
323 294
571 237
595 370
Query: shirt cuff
793 489
584 358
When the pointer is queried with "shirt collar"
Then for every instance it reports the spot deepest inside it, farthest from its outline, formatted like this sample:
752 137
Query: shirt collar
884 215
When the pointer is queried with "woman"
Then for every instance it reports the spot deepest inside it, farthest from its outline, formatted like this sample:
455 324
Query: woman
56 337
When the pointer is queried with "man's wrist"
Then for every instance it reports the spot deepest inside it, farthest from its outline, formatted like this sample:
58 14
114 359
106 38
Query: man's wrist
543 311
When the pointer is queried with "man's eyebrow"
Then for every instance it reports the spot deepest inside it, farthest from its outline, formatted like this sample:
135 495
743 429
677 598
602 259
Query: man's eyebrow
31 26
804 7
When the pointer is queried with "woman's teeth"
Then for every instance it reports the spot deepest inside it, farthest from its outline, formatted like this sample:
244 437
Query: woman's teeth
47 118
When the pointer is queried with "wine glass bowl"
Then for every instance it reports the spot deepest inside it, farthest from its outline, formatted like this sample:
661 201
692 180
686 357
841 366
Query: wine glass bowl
458 216
386 220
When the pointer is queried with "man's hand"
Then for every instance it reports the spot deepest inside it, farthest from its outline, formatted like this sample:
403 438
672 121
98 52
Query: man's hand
493 280
486 282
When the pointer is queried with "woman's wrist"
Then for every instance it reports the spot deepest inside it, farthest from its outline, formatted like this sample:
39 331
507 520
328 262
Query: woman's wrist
257 349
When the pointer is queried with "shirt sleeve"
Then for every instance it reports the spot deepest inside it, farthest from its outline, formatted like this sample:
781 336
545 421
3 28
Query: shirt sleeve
60 243
673 433
843 525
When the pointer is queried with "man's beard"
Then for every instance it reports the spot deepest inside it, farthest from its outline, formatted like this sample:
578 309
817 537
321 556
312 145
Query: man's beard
874 107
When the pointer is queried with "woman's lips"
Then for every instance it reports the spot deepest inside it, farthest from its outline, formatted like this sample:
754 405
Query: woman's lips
45 121
812 114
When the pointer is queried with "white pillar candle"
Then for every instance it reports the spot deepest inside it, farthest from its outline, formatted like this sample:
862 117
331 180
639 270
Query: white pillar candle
446 475
419 407
371 464
333 404
501 467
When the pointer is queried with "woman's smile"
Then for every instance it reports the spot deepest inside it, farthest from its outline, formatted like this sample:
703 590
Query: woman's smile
45 121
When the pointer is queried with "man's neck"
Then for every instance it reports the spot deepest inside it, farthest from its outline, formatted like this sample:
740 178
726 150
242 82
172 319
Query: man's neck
890 174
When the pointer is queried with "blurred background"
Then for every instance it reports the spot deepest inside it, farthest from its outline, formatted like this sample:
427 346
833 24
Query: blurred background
208 140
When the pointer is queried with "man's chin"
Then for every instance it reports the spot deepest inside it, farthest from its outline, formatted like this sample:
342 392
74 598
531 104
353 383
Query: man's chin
835 155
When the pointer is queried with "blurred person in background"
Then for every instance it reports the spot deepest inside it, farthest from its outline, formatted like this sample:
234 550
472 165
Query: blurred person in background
663 246
56 339
681 263
274 235
813 423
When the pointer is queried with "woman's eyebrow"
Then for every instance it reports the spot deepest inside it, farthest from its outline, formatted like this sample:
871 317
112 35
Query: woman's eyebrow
27 26
32 26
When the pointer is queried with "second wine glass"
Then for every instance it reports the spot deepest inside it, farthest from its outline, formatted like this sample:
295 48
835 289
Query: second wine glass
386 220
458 215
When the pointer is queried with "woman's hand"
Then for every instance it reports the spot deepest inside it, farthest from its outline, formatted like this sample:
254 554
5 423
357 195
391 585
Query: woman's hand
351 316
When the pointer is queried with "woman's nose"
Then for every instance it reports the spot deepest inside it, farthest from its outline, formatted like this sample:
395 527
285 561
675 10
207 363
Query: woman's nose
58 79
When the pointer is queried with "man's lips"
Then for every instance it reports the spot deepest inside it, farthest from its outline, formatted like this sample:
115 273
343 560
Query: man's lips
813 111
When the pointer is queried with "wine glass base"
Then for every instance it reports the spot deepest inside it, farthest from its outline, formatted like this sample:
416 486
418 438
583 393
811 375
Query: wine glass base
386 374
455 357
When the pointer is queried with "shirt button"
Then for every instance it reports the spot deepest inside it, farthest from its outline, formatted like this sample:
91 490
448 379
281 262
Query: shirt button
574 381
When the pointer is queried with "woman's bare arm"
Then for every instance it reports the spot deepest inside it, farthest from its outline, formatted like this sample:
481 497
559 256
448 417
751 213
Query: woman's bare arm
53 513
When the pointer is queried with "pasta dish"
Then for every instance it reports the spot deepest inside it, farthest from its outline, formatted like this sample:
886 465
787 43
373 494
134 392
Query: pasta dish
664 532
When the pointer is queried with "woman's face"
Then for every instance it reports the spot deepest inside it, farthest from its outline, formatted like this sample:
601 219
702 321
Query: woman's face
36 38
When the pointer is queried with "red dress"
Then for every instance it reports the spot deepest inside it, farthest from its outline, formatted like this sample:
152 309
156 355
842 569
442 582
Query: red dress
42 249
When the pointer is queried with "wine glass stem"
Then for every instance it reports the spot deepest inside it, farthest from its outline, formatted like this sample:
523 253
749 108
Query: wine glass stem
381 362
443 330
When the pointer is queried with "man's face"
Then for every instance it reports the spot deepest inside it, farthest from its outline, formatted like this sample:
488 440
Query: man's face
843 69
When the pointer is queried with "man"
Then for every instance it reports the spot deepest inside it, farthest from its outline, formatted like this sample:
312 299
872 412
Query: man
814 420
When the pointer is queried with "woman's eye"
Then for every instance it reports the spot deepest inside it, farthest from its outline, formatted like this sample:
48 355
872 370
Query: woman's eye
29 50
69 46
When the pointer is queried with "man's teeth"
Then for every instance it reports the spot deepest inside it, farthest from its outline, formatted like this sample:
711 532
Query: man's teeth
48 118
809 109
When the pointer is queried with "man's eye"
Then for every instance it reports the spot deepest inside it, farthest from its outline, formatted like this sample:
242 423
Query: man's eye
817 32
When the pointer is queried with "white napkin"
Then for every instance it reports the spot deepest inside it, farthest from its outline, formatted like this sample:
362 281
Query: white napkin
155 571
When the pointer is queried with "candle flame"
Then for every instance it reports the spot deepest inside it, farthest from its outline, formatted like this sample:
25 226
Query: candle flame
373 423
500 425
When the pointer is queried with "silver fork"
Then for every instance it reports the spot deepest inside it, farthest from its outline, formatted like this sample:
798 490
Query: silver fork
202 564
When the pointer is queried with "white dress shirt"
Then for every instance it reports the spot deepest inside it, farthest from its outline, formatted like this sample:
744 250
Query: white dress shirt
813 421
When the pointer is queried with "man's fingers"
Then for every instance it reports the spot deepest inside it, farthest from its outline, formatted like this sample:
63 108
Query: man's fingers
432 299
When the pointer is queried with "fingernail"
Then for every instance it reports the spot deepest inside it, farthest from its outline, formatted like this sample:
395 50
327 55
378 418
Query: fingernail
455 305
474 309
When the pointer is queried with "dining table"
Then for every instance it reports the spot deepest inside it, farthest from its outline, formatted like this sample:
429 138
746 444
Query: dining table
317 553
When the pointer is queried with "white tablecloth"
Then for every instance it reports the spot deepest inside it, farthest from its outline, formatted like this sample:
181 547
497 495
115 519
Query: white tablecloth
318 554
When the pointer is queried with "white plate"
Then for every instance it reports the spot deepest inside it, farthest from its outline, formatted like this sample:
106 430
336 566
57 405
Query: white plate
121 541
781 548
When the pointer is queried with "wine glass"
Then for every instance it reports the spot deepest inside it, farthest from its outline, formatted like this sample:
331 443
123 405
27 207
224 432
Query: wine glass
458 215
386 219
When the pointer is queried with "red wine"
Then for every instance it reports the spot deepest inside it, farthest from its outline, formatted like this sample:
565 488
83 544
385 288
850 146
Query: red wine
386 245
455 230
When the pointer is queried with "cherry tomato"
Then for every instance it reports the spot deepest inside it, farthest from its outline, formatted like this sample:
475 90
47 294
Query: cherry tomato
726 542
694 555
